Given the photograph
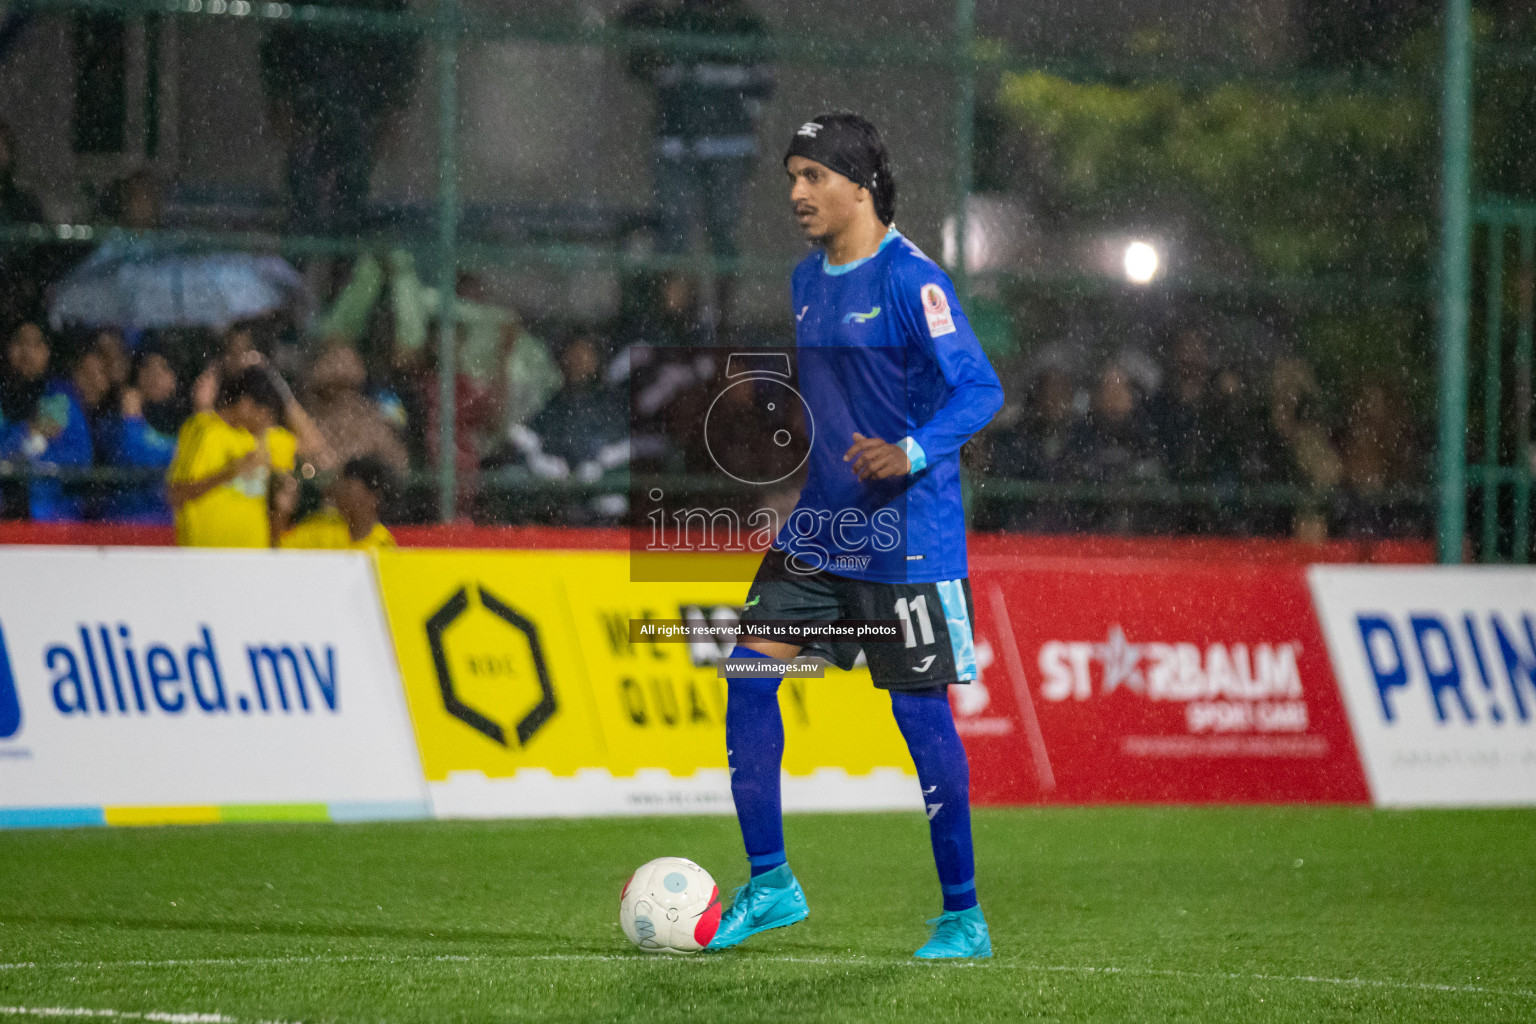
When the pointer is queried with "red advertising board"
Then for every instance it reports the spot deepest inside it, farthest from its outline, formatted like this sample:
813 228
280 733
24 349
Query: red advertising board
1130 680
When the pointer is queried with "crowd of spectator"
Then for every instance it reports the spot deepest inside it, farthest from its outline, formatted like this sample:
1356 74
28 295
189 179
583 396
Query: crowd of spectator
320 422
1182 441
1178 441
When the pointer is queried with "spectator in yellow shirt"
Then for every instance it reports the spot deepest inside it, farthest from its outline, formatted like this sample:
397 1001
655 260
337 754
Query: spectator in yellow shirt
220 474
349 519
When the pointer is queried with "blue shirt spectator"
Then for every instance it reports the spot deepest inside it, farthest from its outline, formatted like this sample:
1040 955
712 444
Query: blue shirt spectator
59 436
142 435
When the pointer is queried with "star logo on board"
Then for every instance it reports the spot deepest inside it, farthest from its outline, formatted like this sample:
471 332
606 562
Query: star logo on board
1122 662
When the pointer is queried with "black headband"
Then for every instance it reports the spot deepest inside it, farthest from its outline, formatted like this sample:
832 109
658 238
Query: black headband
838 146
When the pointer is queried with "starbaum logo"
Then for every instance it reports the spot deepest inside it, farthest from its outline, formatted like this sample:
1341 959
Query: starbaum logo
10 703
1225 687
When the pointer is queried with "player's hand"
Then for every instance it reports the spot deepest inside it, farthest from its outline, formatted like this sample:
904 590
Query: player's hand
133 403
874 459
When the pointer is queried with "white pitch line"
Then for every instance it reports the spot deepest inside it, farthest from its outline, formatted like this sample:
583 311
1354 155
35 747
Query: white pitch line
159 1016
1150 972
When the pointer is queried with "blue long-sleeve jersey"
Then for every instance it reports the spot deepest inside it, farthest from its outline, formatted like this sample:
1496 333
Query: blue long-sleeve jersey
130 442
883 349
53 500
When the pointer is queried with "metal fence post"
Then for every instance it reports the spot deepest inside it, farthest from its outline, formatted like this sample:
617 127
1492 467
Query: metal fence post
1455 274
448 36
965 132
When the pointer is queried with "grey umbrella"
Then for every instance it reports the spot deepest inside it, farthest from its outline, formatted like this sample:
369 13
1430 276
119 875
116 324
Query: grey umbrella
135 284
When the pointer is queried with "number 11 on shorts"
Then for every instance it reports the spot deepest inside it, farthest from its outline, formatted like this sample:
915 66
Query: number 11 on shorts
907 610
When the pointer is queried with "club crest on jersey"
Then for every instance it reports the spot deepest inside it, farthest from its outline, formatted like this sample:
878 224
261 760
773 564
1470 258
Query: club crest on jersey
936 309
809 129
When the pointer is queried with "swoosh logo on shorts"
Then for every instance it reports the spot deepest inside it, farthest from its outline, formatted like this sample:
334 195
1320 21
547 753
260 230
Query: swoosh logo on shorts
752 602
927 663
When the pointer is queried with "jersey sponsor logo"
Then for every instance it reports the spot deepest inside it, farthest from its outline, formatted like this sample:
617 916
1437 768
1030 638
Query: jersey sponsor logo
936 311
861 318
809 129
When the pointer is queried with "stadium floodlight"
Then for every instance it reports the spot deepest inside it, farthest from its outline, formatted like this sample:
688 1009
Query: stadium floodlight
1142 262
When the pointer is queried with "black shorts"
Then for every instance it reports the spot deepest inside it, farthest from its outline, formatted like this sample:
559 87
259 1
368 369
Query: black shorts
938 647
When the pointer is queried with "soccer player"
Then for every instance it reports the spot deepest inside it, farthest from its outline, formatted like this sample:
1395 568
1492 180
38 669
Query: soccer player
350 518
224 461
895 383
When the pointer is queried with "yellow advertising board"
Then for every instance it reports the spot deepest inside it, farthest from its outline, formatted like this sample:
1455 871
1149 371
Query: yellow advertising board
522 660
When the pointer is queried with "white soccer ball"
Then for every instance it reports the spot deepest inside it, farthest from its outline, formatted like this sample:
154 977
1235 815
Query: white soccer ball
670 905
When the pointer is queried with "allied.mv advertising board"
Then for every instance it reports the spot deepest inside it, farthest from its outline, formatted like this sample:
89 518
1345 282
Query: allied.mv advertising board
145 685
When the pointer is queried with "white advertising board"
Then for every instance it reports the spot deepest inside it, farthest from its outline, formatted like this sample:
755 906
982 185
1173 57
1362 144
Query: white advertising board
1438 670
148 678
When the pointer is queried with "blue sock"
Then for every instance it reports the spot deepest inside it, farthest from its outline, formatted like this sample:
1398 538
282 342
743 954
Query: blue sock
945 775
754 745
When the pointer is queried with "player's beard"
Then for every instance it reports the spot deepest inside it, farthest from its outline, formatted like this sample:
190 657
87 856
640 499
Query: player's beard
814 235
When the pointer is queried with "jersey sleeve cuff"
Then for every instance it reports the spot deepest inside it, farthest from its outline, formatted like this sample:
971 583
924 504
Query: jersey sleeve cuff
915 454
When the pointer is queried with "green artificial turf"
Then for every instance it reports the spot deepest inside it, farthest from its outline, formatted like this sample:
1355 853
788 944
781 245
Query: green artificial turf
1117 914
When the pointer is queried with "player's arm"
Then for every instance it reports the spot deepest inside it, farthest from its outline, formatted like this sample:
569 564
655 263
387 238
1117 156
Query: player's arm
975 393
941 328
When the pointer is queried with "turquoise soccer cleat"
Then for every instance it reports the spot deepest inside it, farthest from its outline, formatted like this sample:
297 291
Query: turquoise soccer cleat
771 900
957 934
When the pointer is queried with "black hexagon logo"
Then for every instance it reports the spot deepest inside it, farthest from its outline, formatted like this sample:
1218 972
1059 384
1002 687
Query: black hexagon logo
441 619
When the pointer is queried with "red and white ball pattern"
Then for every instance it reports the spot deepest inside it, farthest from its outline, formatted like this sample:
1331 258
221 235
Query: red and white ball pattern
670 905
